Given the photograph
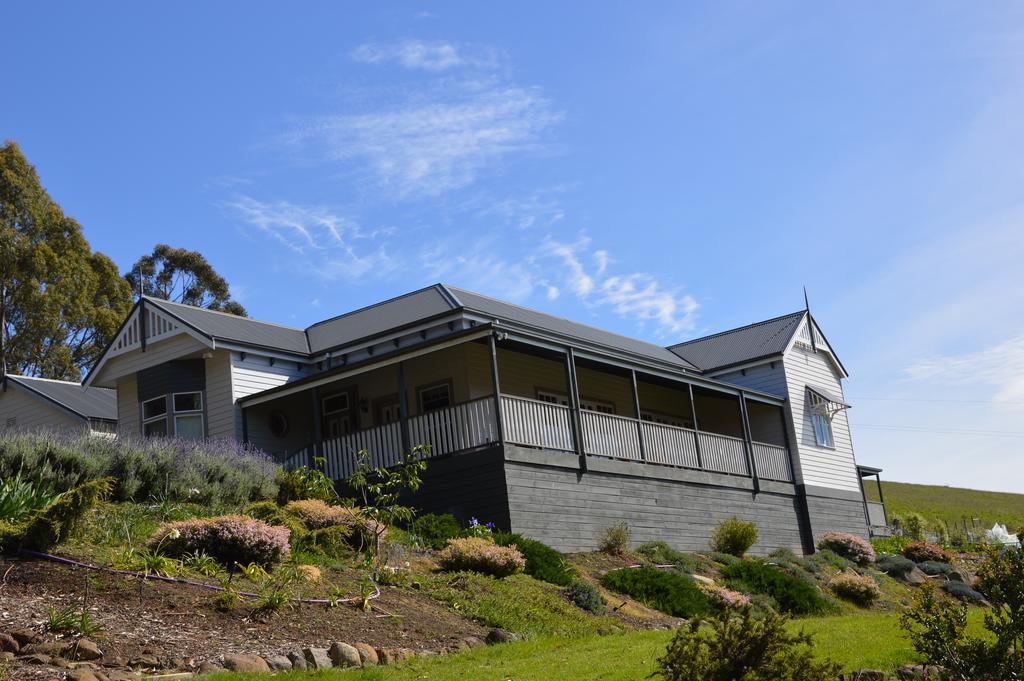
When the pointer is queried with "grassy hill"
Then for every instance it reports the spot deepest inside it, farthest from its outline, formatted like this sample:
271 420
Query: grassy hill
952 504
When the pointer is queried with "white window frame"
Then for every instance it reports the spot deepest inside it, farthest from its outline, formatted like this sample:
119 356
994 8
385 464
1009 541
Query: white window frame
598 406
154 419
323 403
821 422
447 385
188 412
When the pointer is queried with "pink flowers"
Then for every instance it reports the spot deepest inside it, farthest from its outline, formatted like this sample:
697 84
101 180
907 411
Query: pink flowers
726 597
860 589
229 539
316 514
476 554
849 546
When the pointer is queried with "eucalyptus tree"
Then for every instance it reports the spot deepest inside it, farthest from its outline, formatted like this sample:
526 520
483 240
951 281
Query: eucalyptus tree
182 276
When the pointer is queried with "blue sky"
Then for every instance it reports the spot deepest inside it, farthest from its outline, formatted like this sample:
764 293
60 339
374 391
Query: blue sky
663 170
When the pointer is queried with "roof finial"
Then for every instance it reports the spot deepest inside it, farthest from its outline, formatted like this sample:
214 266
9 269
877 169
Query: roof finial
810 320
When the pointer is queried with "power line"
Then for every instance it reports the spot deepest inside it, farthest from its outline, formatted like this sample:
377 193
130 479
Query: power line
944 431
930 399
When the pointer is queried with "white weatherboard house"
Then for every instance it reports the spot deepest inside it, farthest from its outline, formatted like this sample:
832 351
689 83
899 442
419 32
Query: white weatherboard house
28 403
548 427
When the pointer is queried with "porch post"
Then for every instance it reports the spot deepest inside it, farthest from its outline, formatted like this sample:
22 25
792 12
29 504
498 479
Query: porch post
881 498
245 425
696 438
403 409
574 407
498 421
639 420
317 426
864 496
748 443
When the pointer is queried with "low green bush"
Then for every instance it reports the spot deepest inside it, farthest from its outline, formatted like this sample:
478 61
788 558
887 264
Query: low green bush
542 561
894 544
860 589
476 554
435 529
272 514
724 558
794 595
670 592
660 553
586 596
21 498
734 536
59 521
304 483
331 542
615 539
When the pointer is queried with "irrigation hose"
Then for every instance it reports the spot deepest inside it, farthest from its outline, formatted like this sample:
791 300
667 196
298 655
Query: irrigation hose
189 582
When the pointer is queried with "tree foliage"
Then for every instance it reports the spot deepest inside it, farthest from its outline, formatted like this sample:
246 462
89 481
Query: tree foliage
60 302
182 276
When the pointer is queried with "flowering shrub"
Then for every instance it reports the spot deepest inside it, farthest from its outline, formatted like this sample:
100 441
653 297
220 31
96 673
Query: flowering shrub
228 538
860 589
920 551
476 554
316 514
478 529
849 546
725 597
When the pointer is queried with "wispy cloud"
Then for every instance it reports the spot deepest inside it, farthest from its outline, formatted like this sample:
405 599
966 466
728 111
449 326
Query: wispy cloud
480 265
329 245
999 367
425 56
635 295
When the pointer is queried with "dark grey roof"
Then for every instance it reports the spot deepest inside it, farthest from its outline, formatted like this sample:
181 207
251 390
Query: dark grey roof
229 327
501 310
742 345
368 321
94 403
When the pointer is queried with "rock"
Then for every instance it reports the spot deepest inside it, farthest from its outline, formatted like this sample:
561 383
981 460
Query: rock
298 660
367 654
35 658
6 656
917 672
208 667
124 675
82 650
317 658
915 576
147 660
344 655
8 644
25 636
386 656
82 674
703 579
470 642
868 675
60 663
956 576
495 636
246 663
51 648
279 663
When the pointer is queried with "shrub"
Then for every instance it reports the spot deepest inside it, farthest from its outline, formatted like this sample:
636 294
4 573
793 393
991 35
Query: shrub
272 514
586 596
615 539
230 539
542 561
860 589
21 498
365 530
793 594
211 472
737 645
332 542
725 598
724 558
734 536
911 525
304 483
316 514
920 551
660 553
670 592
849 546
933 568
436 529
893 544
897 567
59 521
475 554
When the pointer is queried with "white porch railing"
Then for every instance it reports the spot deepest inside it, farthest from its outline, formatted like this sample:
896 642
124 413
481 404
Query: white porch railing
536 424
464 426
670 445
723 453
384 442
772 462
616 437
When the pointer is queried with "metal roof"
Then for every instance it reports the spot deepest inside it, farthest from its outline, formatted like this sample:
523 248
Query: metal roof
229 327
742 345
374 319
94 403
500 310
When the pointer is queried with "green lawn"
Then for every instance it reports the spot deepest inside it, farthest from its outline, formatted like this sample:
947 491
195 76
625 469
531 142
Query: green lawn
951 504
855 641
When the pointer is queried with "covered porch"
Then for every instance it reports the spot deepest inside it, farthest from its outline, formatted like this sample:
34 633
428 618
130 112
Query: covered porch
874 501
490 389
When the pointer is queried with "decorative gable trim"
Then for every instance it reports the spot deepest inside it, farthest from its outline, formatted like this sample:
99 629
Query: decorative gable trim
809 337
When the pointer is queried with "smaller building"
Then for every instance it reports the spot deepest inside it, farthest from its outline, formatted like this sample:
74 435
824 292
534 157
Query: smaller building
28 403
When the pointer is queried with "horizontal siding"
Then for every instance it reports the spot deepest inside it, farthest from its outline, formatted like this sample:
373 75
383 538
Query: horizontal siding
128 406
32 412
254 374
156 353
221 420
820 466
769 378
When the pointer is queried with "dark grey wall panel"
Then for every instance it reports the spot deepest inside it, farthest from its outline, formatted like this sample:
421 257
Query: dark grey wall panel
178 376
568 509
466 485
835 510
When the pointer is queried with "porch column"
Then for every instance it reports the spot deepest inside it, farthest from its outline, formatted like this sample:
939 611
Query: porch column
748 443
881 498
498 421
317 426
696 430
639 420
245 425
403 409
864 496
574 407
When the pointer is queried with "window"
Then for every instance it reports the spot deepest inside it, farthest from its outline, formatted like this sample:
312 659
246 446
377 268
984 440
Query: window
435 397
154 417
188 415
335 404
585 405
821 419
